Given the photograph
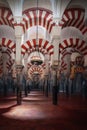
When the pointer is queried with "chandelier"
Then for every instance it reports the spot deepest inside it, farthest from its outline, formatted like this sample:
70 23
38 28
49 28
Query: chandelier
36 58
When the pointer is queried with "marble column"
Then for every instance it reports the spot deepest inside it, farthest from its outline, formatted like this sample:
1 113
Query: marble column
18 36
19 66
46 89
55 68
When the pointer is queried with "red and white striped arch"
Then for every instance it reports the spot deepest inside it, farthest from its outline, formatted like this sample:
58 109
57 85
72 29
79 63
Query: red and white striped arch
6 17
9 64
66 52
64 65
4 42
8 52
45 19
29 65
75 43
43 65
34 69
74 17
63 68
8 43
44 46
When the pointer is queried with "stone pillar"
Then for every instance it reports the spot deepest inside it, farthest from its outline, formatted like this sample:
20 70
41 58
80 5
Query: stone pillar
55 85
18 35
19 66
56 31
55 63
56 55
56 41
19 78
85 60
46 86
67 59
65 71
46 75
5 59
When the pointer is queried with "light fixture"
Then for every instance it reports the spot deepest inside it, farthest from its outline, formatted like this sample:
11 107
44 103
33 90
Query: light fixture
36 58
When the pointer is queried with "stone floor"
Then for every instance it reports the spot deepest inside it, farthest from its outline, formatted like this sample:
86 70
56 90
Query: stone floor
38 113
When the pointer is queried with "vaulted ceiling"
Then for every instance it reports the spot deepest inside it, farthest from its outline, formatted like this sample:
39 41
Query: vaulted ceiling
70 16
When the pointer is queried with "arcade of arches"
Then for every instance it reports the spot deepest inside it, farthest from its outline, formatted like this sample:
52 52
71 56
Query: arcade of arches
43 48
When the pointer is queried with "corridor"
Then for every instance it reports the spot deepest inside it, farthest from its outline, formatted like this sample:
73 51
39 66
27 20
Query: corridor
38 113
43 64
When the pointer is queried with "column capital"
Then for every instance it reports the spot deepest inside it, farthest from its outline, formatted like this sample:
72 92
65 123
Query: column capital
18 19
56 20
18 31
19 68
56 31
55 38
